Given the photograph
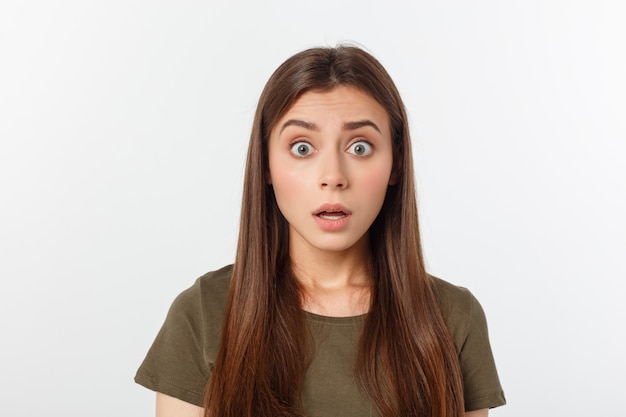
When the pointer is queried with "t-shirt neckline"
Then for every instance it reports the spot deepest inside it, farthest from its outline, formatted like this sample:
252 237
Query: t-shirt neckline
349 320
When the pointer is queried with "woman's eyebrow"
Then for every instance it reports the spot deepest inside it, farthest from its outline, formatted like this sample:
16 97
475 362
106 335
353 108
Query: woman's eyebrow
359 124
300 123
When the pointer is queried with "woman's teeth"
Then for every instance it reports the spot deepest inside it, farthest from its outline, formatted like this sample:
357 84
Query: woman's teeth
332 215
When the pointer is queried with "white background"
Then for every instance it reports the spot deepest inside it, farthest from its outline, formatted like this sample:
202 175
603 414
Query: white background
124 127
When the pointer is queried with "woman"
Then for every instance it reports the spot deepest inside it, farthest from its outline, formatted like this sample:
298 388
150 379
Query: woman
327 310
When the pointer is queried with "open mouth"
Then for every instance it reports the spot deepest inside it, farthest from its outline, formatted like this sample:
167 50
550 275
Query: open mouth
332 217
332 214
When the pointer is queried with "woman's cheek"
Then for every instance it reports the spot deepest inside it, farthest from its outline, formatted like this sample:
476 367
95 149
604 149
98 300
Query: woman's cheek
376 178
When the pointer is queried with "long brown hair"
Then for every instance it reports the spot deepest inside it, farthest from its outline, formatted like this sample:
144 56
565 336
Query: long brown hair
406 362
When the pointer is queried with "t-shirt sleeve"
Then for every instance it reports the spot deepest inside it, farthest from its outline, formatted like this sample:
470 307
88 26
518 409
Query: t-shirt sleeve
468 326
175 364
480 378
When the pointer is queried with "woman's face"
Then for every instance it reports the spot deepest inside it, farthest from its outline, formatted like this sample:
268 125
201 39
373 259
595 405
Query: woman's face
331 159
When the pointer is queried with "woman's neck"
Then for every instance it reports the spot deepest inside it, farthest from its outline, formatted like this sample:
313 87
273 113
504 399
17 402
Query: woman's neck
334 283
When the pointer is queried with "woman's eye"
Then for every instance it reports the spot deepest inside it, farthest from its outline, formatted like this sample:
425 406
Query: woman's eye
301 149
360 148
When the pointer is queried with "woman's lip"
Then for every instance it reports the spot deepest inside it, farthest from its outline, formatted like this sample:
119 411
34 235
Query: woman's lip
330 224
332 208
332 217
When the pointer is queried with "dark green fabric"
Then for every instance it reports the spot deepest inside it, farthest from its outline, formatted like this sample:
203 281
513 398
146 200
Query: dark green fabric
329 384
181 358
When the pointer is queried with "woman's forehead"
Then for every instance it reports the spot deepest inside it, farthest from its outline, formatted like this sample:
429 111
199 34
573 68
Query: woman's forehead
345 103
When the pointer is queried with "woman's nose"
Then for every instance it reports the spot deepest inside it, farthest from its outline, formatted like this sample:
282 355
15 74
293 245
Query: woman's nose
332 174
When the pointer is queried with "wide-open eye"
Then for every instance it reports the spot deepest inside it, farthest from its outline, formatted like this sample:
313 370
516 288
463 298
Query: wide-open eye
360 148
301 149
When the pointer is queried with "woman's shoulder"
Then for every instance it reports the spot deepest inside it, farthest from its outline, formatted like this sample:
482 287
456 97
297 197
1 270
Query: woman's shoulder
452 296
208 294
460 308
212 284
215 282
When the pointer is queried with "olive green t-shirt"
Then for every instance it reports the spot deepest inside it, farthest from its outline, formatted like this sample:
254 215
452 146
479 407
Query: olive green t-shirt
181 358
